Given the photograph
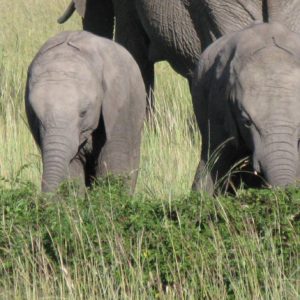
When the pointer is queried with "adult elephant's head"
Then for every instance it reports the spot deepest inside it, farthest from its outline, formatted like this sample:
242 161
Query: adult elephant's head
265 102
97 16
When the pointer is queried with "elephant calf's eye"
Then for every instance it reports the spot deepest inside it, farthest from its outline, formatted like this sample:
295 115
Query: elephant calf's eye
247 123
246 120
82 114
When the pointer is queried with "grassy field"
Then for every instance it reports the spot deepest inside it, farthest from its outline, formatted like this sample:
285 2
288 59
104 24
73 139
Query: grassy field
163 243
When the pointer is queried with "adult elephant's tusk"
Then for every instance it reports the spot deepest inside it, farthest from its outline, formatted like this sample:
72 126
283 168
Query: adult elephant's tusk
67 14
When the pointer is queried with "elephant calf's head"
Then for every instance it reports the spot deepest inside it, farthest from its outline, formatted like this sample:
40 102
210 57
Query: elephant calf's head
64 99
265 102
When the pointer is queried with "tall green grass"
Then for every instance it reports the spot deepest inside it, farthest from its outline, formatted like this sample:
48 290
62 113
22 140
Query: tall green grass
111 246
163 243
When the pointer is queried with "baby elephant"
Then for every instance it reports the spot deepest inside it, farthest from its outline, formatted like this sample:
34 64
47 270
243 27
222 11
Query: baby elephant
246 96
85 103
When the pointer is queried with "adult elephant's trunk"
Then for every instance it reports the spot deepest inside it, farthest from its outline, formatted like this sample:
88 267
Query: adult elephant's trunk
280 156
57 152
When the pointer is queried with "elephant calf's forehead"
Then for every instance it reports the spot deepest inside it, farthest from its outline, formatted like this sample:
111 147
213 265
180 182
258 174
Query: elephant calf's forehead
63 80
270 72
270 83
61 64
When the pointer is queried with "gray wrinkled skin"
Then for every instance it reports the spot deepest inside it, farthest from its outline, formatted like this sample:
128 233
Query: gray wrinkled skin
246 94
85 102
178 30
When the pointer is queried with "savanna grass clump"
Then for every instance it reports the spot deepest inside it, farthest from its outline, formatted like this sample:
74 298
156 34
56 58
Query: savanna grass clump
110 244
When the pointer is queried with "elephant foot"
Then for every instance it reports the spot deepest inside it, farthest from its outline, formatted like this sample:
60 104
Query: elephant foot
77 175
203 180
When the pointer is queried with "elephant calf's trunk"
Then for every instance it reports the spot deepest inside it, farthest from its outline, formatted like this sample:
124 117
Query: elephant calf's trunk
56 159
279 163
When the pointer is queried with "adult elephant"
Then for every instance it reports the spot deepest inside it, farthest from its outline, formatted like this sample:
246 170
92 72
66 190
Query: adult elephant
176 30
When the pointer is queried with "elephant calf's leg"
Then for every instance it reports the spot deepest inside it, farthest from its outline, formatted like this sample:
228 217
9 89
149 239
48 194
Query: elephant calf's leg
203 179
120 159
76 171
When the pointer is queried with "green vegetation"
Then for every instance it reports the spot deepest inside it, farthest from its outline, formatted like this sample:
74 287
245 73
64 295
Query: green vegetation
109 245
162 243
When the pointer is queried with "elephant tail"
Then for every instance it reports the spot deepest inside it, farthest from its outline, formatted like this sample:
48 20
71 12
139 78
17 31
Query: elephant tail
67 14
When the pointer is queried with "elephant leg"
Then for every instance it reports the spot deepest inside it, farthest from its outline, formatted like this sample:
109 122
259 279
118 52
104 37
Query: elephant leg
119 158
130 33
140 52
147 70
77 173
203 180
217 159
222 164
99 18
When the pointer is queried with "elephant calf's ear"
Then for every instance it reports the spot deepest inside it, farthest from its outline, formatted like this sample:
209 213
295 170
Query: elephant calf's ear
112 105
230 115
231 124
